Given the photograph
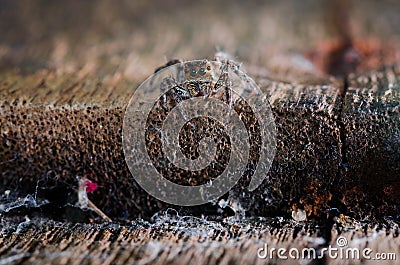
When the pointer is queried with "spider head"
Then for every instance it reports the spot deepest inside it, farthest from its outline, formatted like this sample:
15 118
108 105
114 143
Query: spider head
198 70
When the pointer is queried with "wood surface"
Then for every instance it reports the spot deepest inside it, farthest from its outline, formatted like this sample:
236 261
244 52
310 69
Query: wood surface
172 239
331 72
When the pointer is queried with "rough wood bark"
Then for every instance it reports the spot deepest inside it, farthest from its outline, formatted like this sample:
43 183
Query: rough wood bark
74 136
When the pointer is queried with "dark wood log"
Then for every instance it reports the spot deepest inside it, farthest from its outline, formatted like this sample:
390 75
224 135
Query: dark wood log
371 120
51 145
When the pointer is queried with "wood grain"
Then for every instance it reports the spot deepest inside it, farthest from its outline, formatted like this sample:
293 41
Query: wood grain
180 239
68 70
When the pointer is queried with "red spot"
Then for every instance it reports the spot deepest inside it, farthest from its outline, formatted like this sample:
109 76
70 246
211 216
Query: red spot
91 186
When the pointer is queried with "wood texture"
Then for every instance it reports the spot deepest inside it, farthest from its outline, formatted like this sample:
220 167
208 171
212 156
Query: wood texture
68 136
68 70
171 239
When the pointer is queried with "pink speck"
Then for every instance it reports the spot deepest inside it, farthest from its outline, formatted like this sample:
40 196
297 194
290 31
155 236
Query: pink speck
91 186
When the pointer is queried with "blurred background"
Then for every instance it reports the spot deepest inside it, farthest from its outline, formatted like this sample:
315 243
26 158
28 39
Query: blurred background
132 37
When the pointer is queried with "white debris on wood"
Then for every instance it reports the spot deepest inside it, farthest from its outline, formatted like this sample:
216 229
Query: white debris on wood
299 215
83 199
22 225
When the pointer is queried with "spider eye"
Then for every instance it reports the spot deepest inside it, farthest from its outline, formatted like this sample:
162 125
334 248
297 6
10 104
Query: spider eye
193 72
202 71
208 68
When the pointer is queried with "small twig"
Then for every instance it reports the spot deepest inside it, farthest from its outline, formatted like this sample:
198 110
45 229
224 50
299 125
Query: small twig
92 206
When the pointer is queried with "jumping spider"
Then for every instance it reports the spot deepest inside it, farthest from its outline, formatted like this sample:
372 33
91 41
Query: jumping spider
198 78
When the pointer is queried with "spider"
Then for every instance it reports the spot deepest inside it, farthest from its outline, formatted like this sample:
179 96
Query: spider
186 80
198 78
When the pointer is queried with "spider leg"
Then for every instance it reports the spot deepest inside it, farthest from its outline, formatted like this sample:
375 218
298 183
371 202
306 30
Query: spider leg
180 93
222 90
171 62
